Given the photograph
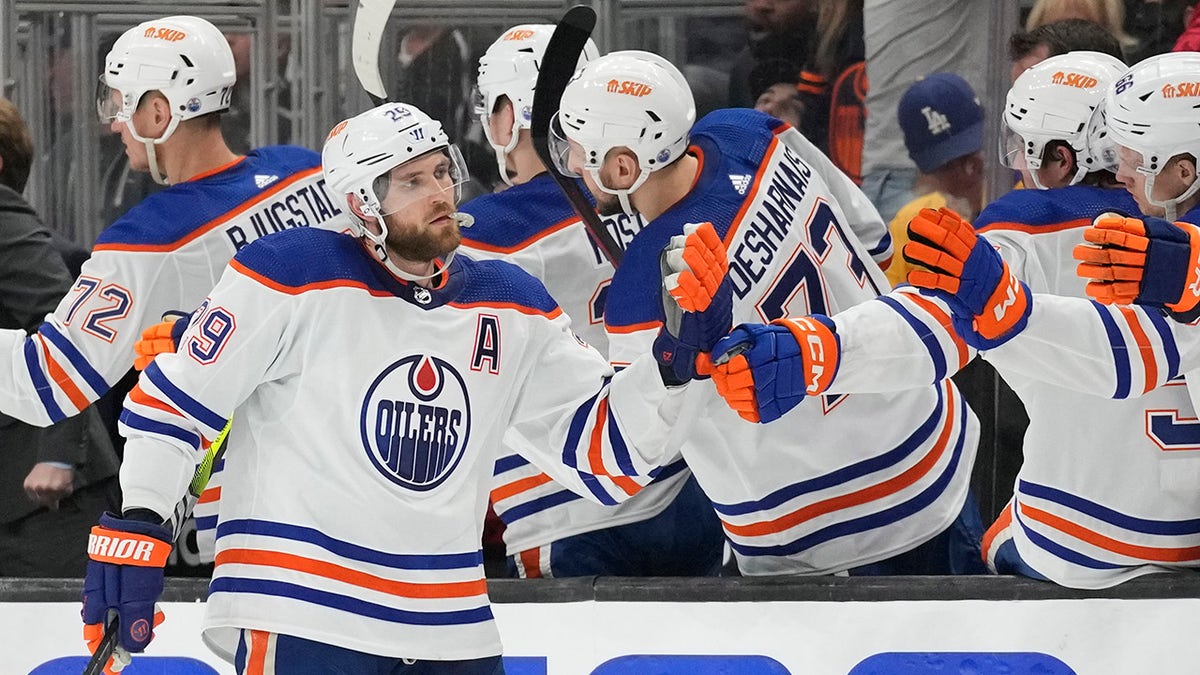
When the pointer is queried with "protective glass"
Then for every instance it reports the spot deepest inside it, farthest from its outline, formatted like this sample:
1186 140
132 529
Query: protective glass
560 150
1012 150
420 178
109 102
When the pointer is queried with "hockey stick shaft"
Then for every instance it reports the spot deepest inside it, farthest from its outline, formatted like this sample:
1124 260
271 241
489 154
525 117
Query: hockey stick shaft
183 509
370 20
95 665
557 68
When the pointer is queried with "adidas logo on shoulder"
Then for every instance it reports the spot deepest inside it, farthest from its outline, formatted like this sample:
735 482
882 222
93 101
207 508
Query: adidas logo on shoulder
740 181
263 181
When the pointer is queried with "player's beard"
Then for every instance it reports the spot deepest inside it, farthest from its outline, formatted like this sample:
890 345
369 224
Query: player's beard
424 242
608 205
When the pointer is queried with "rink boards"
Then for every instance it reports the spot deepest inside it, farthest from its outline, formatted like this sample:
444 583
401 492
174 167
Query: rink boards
828 626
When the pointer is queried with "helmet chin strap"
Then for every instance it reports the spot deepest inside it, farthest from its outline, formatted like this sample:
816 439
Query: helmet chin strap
151 153
378 245
502 151
622 195
1171 206
152 160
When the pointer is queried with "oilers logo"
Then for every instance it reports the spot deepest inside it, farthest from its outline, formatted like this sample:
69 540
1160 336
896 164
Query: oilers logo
415 421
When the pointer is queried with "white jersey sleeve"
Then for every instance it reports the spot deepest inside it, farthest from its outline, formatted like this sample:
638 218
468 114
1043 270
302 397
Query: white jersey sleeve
615 440
1115 351
895 342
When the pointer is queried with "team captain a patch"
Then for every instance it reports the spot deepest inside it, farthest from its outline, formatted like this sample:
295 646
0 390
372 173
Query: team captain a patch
415 421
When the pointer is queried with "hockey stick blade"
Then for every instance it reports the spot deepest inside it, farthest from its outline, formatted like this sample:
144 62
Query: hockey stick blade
370 20
557 68
95 666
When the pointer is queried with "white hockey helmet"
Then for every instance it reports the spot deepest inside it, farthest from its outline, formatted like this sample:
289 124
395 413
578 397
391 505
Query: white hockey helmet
184 57
1154 109
361 152
1061 99
510 68
632 99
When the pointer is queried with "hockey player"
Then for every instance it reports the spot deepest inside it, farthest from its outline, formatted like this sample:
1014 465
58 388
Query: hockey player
164 84
821 491
1073 518
1153 119
349 539
667 529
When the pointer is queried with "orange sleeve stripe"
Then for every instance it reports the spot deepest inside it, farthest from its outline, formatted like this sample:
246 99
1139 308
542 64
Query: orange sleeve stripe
946 323
634 327
857 498
1035 229
139 396
1155 553
60 377
210 495
1002 523
328 570
214 223
560 225
1145 350
596 450
516 487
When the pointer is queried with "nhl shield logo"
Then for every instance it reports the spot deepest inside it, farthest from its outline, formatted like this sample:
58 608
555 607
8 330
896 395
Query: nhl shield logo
415 421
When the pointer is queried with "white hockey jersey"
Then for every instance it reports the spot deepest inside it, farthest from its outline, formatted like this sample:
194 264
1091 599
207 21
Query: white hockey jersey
369 414
534 227
164 254
1107 490
838 482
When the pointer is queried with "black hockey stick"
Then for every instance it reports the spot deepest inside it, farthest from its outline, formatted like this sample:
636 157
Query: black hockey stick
370 20
95 666
557 68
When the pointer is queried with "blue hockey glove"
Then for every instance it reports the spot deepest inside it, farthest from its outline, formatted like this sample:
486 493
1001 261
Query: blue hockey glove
1149 261
763 371
697 303
990 305
124 575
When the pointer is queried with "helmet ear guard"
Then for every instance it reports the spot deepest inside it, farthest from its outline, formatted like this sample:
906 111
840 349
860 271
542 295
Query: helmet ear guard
632 99
1061 99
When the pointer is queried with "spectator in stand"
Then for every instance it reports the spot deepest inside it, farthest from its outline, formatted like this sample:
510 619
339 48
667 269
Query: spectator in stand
1157 25
1189 41
942 123
778 29
1108 13
906 41
1029 48
55 480
835 123
773 84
